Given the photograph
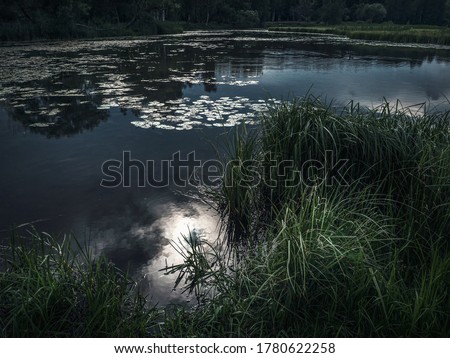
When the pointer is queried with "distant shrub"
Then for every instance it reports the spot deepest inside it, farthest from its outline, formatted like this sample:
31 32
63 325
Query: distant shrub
447 13
375 12
332 12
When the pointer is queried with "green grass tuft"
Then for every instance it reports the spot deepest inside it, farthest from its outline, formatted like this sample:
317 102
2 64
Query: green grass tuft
364 256
51 290
366 259
377 32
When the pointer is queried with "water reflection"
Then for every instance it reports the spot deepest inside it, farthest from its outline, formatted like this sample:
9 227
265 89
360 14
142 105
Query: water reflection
141 241
64 88
176 225
156 96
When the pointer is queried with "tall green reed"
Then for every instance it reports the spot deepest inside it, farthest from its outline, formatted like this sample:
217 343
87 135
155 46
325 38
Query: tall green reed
367 257
52 289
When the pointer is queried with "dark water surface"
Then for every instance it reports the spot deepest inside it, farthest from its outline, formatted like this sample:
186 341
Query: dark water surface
66 107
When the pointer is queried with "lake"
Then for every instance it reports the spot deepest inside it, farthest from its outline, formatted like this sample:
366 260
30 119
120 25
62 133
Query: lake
67 107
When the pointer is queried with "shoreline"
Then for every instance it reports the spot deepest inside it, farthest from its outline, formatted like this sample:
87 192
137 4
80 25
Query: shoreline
431 35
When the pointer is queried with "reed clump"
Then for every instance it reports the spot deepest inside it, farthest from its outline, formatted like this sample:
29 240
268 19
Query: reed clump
337 225
366 255
50 289
378 32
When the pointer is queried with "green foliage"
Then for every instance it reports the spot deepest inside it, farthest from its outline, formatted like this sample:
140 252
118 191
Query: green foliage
366 260
447 13
368 257
416 12
375 12
28 19
302 11
332 11
50 290
378 32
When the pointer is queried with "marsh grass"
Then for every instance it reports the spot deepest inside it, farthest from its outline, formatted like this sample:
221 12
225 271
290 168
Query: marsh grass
365 259
378 32
238 196
368 257
203 270
51 289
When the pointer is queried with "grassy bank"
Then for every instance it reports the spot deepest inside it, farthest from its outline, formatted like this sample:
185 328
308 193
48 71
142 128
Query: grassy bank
50 289
361 254
337 225
377 32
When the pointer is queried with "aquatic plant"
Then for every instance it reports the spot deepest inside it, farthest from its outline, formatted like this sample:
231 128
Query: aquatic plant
364 257
369 258
51 289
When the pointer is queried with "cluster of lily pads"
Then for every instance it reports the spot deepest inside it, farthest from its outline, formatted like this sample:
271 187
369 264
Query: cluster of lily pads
186 113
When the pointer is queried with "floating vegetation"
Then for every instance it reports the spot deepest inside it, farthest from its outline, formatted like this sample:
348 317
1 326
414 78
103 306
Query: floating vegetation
185 114
41 125
153 77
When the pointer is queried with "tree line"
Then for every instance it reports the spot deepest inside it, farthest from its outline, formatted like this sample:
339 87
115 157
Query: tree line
36 14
